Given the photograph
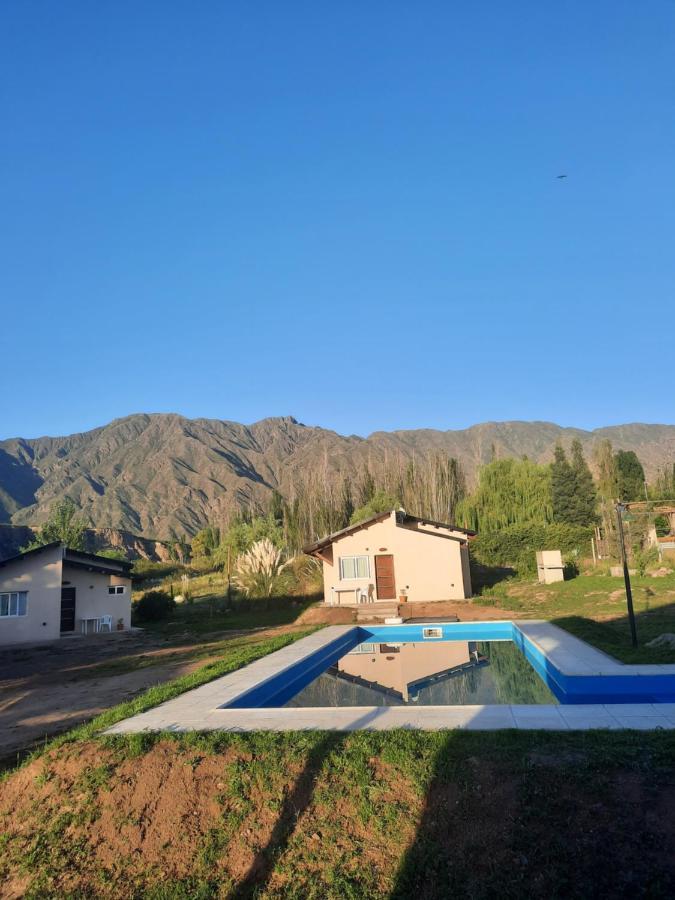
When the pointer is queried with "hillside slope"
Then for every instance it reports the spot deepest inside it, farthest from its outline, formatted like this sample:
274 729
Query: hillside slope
162 474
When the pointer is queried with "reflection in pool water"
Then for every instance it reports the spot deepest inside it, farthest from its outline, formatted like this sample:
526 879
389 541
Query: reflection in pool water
442 673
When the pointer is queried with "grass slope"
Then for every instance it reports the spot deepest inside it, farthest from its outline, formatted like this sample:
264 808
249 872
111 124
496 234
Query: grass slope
362 815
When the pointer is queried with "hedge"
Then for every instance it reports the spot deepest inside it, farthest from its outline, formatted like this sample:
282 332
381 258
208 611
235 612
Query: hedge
516 545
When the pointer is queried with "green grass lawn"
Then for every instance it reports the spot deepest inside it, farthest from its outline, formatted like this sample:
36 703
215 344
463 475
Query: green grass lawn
211 611
206 615
594 608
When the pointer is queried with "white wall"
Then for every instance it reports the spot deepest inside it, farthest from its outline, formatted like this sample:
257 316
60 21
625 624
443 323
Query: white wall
427 563
92 598
40 575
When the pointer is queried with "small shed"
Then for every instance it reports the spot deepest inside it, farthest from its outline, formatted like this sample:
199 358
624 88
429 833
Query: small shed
550 566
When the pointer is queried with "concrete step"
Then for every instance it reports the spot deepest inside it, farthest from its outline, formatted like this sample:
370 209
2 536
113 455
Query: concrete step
376 611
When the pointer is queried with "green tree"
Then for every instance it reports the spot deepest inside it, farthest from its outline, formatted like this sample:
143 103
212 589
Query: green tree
664 486
509 492
563 488
630 476
62 525
242 535
585 493
605 464
380 502
205 541
112 553
277 507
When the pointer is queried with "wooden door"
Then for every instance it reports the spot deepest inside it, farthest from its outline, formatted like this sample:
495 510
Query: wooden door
67 609
384 577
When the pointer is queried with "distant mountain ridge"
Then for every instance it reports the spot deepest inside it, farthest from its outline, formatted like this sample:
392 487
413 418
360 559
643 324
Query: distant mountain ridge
162 474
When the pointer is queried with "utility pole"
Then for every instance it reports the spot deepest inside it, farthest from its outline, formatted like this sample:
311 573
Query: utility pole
620 508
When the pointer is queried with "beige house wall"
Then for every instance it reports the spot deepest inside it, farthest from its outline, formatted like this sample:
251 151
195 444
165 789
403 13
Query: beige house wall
92 598
428 562
410 663
40 575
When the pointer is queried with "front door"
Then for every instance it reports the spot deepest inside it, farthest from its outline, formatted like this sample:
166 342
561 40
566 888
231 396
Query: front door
384 577
67 609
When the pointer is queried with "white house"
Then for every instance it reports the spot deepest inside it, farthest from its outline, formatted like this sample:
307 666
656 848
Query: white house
394 554
53 591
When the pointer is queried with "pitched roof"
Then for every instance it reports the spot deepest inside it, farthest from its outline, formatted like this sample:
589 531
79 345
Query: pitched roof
402 518
79 559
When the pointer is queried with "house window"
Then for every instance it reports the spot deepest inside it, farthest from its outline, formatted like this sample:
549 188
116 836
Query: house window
362 648
116 589
14 604
354 567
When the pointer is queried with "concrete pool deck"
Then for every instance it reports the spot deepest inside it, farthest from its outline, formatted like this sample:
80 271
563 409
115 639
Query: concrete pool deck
201 709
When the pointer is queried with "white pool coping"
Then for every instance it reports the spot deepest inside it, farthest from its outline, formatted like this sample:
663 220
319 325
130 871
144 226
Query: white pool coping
200 709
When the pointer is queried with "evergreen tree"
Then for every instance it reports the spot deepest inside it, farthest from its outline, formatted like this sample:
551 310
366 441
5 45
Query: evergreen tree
572 488
586 494
563 488
630 476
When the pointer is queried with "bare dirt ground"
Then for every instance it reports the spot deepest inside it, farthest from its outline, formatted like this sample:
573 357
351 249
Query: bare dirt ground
48 689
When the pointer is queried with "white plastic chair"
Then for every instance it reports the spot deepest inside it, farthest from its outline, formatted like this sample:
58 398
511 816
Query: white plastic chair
105 622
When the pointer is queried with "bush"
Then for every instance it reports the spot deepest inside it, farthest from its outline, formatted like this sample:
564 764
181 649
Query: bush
154 606
517 545
644 558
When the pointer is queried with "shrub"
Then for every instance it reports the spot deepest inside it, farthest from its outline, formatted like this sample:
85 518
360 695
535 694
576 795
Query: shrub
154 606
643 558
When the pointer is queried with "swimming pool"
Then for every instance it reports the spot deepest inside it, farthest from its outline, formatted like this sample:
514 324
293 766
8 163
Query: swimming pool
448 664
589 690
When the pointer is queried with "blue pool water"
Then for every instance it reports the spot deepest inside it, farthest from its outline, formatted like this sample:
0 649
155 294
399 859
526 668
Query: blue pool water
439 665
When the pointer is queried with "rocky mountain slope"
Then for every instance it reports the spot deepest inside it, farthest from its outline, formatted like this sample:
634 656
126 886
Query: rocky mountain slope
162 475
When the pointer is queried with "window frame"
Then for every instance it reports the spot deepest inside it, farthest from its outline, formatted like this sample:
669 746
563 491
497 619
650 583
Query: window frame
344 577
116 589
17 614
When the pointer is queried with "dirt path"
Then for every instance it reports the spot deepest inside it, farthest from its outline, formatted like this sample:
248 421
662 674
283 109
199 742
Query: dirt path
30 713
47 690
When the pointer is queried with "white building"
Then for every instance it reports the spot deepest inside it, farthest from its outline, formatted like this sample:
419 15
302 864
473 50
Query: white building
52 591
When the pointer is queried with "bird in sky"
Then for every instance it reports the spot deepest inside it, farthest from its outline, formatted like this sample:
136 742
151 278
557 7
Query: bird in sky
561 176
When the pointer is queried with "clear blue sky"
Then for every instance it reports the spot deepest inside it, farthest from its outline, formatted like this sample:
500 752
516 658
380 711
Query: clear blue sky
347 212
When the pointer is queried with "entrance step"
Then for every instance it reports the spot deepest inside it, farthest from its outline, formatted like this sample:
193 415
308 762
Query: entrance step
370 611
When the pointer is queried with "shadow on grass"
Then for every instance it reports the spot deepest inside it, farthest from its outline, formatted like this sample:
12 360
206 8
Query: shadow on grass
213 614
488 576
295 803
530 814
613 635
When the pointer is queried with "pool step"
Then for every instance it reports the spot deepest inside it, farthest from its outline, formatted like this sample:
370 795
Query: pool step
370 611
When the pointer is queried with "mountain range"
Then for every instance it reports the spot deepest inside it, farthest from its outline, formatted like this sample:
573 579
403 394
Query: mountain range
162 475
